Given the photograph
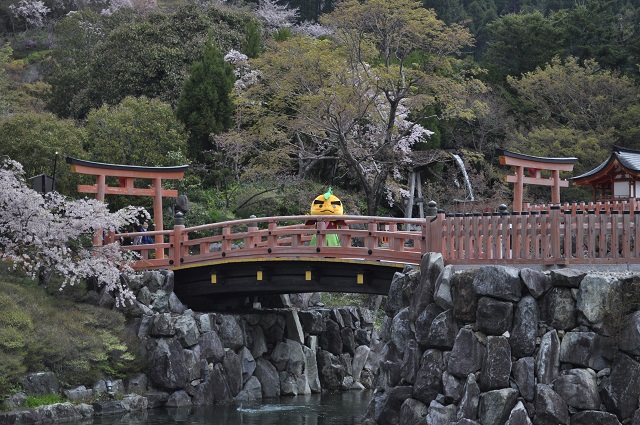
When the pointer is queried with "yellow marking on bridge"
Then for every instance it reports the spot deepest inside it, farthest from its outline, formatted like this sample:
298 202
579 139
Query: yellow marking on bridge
298 259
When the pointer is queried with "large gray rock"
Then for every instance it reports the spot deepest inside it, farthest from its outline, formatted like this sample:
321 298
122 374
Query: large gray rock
331 339
232 369
401 331
179 398
311 369
567 277
389 405
331 371
452 387
499 282
559 309
630 339
412 412
399 295
525 328
592 417
578 388
348 340
443 331
410 362
247 364
231 333
621 391
523 371
168 368
587 349
186 331
442 294
252 390
312 322
495 406
518 416
598 295
439 414
536 282
548 361
162 325
467 355
211 348
465 300
431 266
497 366
360 360
294 328
80 394
550 407
268 377
468 407
428 382
423 323
258 344
494 317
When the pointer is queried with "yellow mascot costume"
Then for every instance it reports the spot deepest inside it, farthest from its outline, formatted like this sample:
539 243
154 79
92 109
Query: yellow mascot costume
327 204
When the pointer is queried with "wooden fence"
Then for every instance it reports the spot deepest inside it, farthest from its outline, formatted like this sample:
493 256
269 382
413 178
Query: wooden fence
550 236
545 236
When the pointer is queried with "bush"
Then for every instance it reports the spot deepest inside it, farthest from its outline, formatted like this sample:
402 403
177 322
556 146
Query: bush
80 343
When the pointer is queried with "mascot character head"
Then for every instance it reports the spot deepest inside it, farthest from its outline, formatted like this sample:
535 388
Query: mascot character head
327 204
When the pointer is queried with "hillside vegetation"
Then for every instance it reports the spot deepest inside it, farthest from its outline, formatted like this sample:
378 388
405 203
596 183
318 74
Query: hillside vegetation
58 331
159 84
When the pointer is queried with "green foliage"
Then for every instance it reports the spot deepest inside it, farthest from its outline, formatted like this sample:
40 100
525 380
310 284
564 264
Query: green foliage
138 131
205 105
519 43
33 140
146 56
252 45
43 400
41 331
282 34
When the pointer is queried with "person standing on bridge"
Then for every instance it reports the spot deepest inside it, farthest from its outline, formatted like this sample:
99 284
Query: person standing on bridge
327 204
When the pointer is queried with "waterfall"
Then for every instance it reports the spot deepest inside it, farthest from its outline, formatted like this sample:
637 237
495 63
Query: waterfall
464 174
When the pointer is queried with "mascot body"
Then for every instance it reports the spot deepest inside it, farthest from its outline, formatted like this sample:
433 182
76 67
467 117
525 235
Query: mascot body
327 204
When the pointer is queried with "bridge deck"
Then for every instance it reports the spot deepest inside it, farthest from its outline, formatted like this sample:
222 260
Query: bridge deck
207 284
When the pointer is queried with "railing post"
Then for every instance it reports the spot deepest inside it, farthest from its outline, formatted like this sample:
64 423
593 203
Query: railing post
555 232
176 238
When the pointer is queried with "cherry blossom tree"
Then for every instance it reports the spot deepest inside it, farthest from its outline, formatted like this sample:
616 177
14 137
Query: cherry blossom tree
276 16
52 234
358 96
32 11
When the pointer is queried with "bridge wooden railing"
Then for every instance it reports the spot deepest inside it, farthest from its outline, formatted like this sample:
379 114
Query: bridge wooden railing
548 236
552 236
600 207
370 238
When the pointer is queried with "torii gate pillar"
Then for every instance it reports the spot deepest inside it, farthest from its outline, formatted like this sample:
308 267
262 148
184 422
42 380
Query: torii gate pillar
126 175
534 165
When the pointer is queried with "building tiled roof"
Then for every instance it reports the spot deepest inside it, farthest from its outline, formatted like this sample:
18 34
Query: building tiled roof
629 159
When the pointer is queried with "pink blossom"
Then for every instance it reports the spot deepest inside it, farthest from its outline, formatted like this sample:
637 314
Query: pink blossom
53 233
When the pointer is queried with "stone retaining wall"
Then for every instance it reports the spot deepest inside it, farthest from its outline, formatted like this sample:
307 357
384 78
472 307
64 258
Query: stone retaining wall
498 345
212 358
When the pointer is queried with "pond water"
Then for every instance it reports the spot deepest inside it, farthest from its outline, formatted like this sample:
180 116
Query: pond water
340 408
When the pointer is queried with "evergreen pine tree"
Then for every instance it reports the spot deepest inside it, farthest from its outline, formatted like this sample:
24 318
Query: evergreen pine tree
205 105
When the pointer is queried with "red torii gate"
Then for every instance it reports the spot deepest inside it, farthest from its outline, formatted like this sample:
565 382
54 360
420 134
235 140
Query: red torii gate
534 166
126 175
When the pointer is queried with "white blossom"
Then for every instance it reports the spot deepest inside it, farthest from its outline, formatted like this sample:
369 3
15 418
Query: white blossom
55 234
311 29
33 12
115 5
275 15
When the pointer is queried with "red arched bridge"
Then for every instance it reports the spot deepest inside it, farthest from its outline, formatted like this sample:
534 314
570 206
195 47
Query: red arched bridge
276 255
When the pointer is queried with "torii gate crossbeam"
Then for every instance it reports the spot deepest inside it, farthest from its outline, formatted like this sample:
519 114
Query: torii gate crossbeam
126 175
